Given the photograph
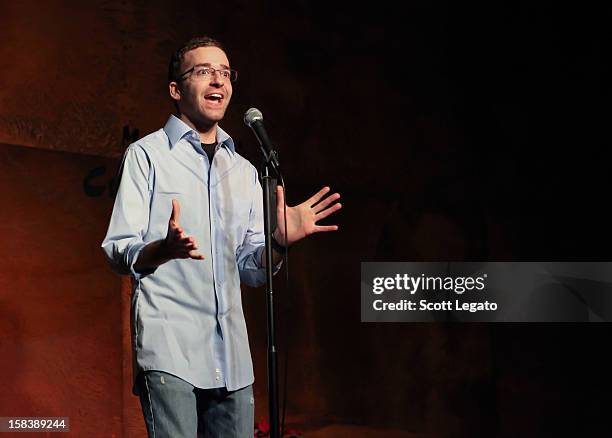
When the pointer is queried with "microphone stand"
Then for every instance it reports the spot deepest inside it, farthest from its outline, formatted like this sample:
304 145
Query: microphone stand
270 163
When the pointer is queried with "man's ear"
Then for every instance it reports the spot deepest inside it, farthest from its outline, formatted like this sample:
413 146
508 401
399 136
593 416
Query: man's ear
175 91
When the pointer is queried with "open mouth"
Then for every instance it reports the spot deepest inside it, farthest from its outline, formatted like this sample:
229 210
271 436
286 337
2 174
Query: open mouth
214 97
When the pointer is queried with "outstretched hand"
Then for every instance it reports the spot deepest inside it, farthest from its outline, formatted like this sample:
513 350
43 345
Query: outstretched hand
302 219
177 245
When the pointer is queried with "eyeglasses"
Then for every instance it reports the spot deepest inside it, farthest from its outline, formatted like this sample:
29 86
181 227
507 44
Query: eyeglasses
201 72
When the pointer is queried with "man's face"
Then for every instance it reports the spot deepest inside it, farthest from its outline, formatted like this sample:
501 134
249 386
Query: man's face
204 100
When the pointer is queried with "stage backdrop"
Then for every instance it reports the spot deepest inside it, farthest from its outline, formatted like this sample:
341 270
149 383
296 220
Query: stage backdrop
61 327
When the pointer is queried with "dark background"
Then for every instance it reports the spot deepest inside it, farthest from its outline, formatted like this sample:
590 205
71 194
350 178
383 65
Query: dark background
453 131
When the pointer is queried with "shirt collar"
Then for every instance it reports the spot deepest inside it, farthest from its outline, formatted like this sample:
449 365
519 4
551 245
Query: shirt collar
176 129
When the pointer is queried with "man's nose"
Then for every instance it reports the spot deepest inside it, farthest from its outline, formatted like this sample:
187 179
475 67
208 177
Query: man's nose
217 79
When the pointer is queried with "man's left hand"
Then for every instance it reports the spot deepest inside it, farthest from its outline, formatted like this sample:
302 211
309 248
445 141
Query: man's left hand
302 219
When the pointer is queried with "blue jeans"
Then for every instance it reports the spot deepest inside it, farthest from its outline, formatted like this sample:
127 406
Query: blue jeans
173 408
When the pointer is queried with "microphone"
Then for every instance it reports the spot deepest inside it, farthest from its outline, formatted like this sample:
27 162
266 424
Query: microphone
253 118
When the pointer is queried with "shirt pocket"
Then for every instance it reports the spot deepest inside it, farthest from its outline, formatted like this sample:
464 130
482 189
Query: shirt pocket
233 206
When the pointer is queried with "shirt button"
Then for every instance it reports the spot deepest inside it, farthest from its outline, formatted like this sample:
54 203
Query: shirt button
217 370
201 158
217 378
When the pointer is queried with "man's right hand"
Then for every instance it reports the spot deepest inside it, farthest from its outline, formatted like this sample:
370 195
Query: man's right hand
177 245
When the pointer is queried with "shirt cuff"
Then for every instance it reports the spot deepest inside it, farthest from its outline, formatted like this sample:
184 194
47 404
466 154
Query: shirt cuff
260 254
133 254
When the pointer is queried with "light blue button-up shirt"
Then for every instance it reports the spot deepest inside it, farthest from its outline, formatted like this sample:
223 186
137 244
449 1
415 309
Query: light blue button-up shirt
187 314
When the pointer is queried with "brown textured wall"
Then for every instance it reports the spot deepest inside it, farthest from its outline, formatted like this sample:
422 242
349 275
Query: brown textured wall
60 330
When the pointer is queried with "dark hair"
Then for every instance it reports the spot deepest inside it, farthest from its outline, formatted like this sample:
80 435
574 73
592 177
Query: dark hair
174 68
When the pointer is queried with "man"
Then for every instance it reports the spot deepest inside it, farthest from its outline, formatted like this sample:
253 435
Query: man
187 224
